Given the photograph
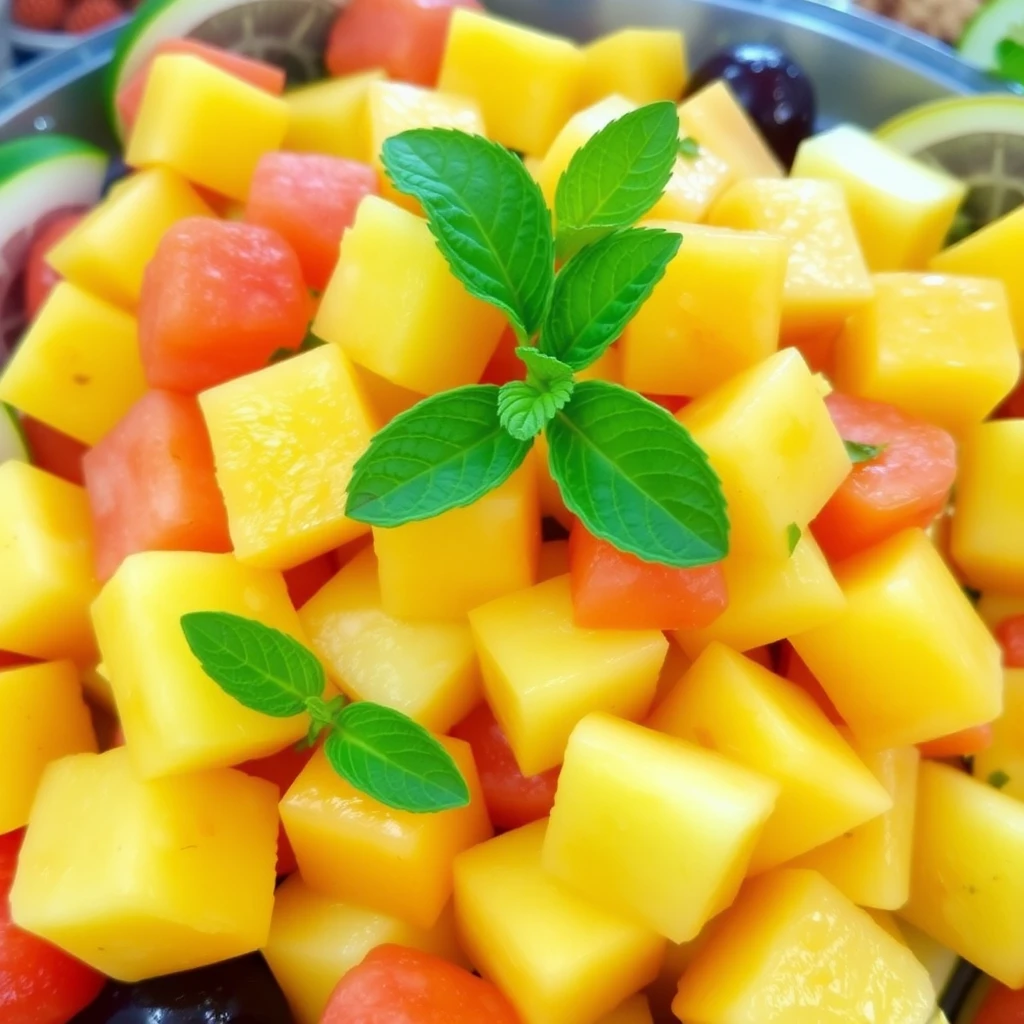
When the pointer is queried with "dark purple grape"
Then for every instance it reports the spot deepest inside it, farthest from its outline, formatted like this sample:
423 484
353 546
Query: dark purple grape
772 88
241 991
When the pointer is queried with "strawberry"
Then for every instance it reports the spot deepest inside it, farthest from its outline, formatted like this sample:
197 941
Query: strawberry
40 15
87 15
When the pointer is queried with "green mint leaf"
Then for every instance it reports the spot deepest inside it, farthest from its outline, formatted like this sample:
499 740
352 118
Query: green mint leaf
487 214
309 342
445 452
1010 60
636 478
261 667
998 779
525 406
616 176
390 757
689 147
601 289
793 535
859 452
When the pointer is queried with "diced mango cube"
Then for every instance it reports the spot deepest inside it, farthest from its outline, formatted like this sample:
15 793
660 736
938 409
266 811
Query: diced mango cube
714 118
794 950
939 961
870 864
331 117
732 705
1003 761
941 348
395 107
427 670
140 878
559 958
526 82
46 564
206 124
354 848
654 829
902 209
553 561
285 440
987 541
996 608
42 719
552 504
908 659
770 438
826 279
442 568
715 312
315 940
642 64
542 673
394 306
78 367
386 400
108 251
770 599
175 717
967 879
992 252
634 1010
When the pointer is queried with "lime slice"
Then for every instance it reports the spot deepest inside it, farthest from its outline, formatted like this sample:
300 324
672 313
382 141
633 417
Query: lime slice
13 443
290 33
995 21
979 139
41 177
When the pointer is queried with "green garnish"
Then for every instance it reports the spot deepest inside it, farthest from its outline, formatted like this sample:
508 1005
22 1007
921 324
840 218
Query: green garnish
793 535
689 147
858 452
998 779
626 467
1010 59
378 750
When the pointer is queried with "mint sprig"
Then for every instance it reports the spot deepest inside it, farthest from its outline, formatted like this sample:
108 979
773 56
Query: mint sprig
627 468
1009 54
793 535
858 452
378 750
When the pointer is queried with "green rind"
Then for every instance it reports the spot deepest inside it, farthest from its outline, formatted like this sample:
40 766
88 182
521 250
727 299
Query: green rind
22 155
990 23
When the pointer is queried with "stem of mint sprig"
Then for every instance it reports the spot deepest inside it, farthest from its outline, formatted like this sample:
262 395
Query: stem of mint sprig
378 750
627 468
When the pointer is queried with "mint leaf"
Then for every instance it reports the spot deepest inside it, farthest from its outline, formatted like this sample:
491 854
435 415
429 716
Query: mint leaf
793 535
445 452
261 667
998 779
487 214
601 289
616 176
394 760
858 452
689 147
1010 60
525 406
636 478
309 342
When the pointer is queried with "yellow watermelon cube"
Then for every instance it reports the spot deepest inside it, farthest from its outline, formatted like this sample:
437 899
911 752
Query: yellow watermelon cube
770 438
315 940
206 124
427 670
908 659
730 704
78 367
635 1010
542 673
870 864
332 116
143 878
358 850
967 878
42 719
107 252
770 599
826 279
941 348
642 64
715 312
394 306
526 82
285 440
794 950
654 829
440 569
1002 764
46 565
902 209
559 958
987 541
175 718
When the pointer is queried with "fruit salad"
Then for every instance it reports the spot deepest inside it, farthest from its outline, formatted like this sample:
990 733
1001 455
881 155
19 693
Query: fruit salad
507 532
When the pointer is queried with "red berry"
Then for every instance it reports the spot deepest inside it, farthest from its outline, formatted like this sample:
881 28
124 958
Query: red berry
87 15
41 15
